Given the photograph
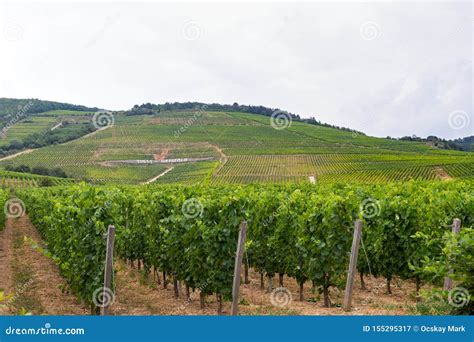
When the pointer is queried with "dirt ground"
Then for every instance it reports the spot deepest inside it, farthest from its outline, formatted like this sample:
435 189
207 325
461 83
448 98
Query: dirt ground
162 155
36 286
442 174
30 278
137 295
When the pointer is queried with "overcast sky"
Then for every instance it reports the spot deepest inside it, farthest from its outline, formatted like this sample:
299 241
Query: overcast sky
382 68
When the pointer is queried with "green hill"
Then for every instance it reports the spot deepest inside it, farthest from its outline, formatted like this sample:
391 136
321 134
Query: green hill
32 123
212 145
10 108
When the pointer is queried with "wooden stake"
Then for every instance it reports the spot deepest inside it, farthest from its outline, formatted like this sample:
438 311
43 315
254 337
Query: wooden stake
246 274
352 265
175 286
237 268
362 282
109 263
219 303
270 284
456 228
188 293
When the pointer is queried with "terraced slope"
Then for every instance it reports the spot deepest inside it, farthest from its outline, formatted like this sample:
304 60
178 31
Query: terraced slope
240 148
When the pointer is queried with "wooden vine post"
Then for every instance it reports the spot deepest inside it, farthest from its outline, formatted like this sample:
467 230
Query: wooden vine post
238 266
109 261
352 265
456 228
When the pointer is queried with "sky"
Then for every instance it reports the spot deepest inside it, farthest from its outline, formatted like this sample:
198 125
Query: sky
384 68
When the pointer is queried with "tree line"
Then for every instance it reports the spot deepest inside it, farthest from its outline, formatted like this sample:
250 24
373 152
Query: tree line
36 140
149 109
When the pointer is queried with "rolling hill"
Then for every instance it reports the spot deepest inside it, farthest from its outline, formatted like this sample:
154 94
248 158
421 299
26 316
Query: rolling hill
219 144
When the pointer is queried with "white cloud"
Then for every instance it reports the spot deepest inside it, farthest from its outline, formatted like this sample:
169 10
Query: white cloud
306 58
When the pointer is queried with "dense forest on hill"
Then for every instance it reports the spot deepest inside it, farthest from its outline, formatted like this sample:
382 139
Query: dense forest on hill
461 144
11 108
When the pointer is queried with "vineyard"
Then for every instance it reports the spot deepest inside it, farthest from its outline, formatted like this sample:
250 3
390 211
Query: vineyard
368 168
177 185
9 179
302 232
246 147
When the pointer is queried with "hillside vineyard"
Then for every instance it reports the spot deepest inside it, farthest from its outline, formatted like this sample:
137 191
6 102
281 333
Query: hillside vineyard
201 146
301 231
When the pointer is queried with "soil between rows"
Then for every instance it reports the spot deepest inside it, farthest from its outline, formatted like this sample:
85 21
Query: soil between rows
38 288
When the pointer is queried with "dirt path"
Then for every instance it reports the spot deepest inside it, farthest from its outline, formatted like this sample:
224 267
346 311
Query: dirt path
5 269
441 173
16 154
223 159
39 289
30 277
139 295
163 154
87 135
221 154
156 177
56 126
